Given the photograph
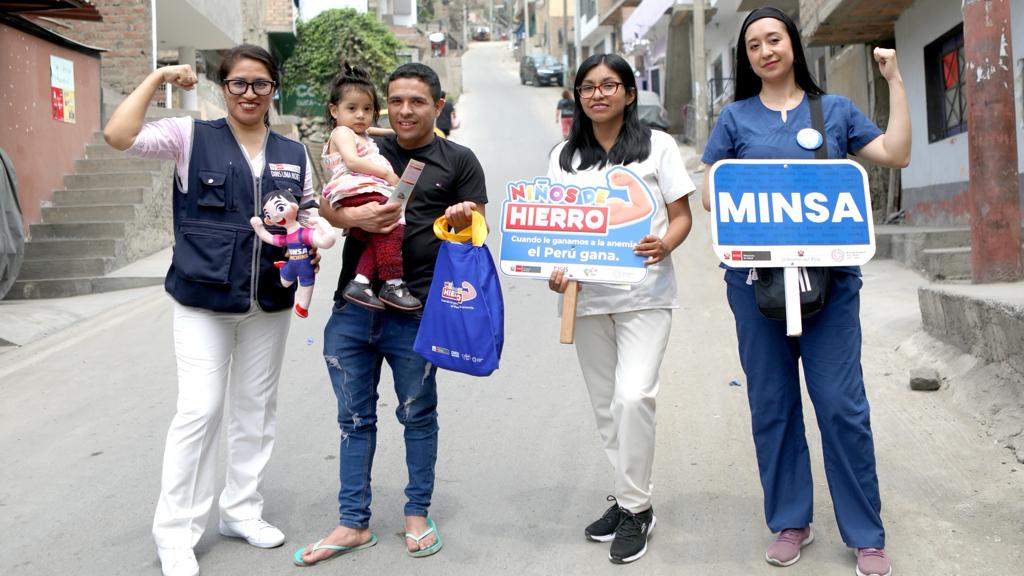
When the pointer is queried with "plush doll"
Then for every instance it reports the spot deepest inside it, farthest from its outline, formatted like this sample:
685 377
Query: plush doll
281 209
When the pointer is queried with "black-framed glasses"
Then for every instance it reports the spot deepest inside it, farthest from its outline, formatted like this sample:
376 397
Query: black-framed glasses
238 86
606 88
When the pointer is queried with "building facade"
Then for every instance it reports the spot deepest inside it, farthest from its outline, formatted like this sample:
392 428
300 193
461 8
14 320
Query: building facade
929 36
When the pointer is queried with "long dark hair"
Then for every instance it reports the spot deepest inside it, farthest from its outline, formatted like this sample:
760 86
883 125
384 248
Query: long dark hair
250 52
351 79
747 82
634 141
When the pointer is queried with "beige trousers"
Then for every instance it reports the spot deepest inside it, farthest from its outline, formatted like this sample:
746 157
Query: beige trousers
620 355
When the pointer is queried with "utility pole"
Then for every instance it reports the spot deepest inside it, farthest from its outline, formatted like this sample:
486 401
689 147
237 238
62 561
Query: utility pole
994 185
526 27
700 76
565 41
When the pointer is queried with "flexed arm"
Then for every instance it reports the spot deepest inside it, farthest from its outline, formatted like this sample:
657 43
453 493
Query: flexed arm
639 204
891 149
126 121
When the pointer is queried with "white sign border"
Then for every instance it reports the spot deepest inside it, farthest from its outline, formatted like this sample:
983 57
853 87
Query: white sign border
794 255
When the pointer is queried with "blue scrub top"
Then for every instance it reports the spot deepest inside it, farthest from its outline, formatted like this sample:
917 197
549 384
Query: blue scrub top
748 130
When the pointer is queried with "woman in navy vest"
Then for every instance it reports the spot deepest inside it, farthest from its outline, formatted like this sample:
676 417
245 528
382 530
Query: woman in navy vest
230 308
771 107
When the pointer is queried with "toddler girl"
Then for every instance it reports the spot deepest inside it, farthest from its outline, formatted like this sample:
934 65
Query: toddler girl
359 175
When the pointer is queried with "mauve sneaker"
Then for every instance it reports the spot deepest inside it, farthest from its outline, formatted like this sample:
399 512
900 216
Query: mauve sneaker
873 562
785 551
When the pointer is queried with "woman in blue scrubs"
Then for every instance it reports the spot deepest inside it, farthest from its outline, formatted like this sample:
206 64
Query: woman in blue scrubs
771 106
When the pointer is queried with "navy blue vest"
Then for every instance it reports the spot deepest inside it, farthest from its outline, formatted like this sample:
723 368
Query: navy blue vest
219 263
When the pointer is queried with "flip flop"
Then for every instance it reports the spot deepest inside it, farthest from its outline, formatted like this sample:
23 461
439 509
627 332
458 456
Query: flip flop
429 550
338 550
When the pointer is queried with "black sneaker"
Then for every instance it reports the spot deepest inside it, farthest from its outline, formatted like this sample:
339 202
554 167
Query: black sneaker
360 293
398 296
603 529
631 536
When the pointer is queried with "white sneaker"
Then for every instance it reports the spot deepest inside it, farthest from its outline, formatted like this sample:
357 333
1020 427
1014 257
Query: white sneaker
256 532
178 561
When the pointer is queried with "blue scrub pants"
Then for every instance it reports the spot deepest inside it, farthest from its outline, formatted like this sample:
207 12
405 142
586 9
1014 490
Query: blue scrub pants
830 351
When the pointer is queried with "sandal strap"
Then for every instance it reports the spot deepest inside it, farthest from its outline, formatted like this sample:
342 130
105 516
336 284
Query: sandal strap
320 546
430 530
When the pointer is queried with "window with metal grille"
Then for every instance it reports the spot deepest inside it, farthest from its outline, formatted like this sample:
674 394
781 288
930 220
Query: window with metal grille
717 75
944 85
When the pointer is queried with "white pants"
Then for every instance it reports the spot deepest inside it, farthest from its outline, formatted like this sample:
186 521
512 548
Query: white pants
233 356
620 355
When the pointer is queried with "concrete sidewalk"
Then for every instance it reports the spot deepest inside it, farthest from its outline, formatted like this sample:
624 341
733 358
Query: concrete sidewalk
23 322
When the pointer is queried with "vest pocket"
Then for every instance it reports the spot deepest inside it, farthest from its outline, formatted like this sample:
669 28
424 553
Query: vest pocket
204 254
213 192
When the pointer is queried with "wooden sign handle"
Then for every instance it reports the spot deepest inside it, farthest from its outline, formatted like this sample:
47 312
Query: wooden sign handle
568 332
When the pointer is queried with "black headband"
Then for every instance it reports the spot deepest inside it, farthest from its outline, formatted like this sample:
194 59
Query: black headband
763 12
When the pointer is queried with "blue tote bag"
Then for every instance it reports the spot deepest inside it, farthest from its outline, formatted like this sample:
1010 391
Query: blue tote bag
463 326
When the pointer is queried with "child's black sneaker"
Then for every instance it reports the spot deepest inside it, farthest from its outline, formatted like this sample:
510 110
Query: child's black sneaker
361 294
398 296
630 541
603 529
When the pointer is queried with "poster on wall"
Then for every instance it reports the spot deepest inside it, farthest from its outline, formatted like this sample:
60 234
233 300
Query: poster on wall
62 89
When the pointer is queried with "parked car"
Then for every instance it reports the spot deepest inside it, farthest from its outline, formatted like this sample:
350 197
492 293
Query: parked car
650 110
481 34
541 69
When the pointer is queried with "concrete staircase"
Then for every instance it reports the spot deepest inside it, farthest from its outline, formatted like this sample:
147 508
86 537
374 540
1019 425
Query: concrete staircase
113 210
940 253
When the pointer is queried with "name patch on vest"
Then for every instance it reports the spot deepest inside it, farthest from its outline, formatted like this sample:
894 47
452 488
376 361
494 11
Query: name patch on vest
290 171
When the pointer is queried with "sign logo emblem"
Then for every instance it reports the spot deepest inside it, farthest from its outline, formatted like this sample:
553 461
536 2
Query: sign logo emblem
460 294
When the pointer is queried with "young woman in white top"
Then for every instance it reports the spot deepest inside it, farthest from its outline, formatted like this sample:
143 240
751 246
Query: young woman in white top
621 334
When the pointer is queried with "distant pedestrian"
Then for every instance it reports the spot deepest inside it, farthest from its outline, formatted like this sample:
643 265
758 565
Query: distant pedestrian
772 105
621 334
447 120
231 313
564 112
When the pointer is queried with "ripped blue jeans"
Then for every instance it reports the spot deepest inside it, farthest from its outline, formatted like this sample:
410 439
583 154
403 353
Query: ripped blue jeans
356 342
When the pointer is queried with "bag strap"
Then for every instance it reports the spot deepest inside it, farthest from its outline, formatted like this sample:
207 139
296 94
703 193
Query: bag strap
475 232
818 123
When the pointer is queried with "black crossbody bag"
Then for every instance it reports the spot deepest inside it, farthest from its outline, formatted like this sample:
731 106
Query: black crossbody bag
770 287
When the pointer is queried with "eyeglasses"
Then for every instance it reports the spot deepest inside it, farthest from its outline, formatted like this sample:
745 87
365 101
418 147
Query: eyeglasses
606 88
259 87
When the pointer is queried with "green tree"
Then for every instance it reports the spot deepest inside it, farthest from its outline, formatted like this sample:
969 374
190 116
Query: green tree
334 37
425 11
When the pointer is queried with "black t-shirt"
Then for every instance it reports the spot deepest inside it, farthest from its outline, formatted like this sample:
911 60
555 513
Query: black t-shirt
566 108
444 119
451 174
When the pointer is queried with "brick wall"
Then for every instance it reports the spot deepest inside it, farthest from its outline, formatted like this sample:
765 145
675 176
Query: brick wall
125 33
277 15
